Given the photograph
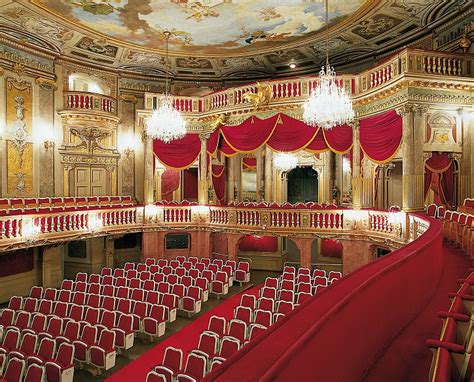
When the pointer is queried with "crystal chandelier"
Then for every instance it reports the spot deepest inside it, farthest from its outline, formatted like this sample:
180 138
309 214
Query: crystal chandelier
328 105
166 123
285 162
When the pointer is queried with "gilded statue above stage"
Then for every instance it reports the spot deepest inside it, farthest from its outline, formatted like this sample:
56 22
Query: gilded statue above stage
262 97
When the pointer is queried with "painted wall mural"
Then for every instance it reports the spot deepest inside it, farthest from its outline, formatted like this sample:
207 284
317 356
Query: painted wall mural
205 26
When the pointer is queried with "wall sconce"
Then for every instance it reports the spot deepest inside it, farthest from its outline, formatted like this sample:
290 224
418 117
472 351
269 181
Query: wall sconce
127 143
48 144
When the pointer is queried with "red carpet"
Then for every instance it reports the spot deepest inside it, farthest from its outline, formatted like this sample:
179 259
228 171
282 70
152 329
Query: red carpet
186 339
407 358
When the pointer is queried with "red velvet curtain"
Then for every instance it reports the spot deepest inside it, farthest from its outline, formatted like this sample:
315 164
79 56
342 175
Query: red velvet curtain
213 142
20 261
250 162
381 135
339 139
252 243
169 183
252 134
318 145
190 184
218 181
442 165
290 134
178 154
331 248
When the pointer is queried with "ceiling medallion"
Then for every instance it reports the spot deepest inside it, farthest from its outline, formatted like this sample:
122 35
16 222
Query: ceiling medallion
166 123
328 105
285 162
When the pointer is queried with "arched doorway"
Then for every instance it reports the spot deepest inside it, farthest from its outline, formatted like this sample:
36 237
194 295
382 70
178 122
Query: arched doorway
302 185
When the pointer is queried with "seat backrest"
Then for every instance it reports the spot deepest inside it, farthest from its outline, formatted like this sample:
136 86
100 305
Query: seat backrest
46 348
16 303
217 325
37 291
173 358
229 347
194 292
107 340
28 343
72 330
14 370
89 334
195 366
208 343
38 323
65 355
237 329
248 300
243 313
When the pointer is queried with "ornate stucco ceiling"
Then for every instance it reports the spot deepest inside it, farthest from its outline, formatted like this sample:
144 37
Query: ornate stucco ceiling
223 40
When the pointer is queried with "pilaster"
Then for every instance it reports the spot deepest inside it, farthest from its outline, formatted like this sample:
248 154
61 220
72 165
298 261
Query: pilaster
203 179
149 179
268 174
357 184
304 245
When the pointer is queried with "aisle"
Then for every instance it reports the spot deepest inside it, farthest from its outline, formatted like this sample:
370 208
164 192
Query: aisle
185 339
407 358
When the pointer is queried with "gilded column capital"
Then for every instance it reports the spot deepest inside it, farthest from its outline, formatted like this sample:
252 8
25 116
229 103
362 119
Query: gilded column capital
405 109
420 109
128 98
355 124
204 136
46 84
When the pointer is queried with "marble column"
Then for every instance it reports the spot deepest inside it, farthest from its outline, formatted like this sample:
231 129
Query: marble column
230 178
268 175
109 251
149 178
465 170
412 154
158 174
355 254
357 183
304 245
203 183
260 181
233 246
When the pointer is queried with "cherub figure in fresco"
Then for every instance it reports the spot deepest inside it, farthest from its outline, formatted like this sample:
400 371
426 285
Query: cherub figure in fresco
96 7
199 11
268 13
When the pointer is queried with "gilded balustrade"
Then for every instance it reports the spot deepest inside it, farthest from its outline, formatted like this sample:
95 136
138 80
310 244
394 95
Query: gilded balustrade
85 101
23 230
290 91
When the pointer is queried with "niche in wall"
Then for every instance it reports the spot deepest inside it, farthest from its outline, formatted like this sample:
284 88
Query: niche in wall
177 241
77 249
303 185
15 262
128 241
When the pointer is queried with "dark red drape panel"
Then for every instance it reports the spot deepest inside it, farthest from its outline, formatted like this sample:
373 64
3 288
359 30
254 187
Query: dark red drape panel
428 178
190 189
318 144
16 262
213 142
439 162
447 185
339 139
169 183
178 154
252 134
331 248
250 162
290 134
381 136
218 181
258 243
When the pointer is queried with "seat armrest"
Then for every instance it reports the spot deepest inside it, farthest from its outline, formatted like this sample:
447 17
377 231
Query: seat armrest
450 346
462 296
455 316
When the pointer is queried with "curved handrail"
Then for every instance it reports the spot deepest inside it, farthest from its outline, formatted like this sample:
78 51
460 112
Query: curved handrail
347 324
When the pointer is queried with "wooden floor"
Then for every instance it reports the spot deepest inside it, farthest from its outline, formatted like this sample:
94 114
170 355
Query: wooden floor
142 345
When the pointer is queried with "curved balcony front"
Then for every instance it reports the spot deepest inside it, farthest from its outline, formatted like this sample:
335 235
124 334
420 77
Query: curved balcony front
85 101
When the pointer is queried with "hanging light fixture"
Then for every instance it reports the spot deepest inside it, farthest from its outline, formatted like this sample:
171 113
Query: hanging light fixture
285 162
166 123
328 105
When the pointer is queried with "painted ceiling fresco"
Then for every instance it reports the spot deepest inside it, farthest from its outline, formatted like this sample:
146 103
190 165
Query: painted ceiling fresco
204 26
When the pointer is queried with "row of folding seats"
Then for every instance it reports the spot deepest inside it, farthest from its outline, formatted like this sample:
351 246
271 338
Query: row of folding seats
452 352
15 369
123 315
93 344
32 348
17 206
304 272
458 229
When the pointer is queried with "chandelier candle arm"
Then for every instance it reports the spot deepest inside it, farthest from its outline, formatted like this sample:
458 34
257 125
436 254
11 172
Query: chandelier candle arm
166 123
328 104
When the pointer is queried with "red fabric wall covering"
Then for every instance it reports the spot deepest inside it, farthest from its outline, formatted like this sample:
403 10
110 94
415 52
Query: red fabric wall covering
252 243
190 191
347 325
20 261
169 183
331 248
381 135
218 182
439 175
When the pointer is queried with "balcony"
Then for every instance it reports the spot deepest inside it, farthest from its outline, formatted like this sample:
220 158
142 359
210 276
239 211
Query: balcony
84 101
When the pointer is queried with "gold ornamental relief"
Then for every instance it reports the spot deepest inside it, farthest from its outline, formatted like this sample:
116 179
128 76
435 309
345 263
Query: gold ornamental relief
19 173
25 91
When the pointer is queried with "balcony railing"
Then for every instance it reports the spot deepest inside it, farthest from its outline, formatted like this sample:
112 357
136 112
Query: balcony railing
295 90
89 101
34 229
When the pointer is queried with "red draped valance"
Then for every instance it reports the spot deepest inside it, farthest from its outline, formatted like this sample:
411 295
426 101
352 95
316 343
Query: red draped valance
178 154
380 136
250 162
213 142
438 162
439 175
